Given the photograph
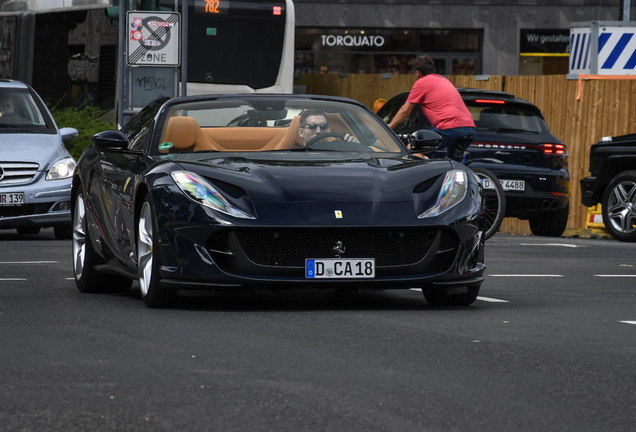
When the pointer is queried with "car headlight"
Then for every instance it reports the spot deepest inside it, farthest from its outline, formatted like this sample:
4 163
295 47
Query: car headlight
199 190
61 169
453 191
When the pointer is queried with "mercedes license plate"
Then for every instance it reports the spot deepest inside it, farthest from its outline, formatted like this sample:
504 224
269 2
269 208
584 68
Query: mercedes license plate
11 199
507 185
339 268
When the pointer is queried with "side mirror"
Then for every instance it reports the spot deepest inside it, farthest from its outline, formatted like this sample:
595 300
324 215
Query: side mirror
424 141
68 134
110 139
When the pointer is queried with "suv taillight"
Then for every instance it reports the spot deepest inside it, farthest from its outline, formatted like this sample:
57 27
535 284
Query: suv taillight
553 149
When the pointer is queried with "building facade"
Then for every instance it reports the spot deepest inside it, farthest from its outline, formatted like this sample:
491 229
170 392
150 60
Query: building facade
464 37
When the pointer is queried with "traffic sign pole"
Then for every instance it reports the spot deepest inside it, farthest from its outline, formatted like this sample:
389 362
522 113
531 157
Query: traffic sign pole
184 51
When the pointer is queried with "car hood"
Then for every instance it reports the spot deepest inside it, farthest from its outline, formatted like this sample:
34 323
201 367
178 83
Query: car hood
40 148
322 178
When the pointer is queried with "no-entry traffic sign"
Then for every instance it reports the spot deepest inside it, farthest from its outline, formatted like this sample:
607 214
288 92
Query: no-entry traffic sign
154 38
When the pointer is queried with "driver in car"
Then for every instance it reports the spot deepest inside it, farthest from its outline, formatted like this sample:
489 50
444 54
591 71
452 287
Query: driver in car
313 122
7 106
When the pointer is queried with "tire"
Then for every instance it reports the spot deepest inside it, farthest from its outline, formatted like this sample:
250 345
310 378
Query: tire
149 260
551 224
494 202
87 279
28 230
64 232
619 199
437 297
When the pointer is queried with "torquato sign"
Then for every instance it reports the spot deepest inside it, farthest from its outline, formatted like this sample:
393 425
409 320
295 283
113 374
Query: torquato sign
352 40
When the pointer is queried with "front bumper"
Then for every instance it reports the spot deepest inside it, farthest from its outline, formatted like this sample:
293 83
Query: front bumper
454 258
46 204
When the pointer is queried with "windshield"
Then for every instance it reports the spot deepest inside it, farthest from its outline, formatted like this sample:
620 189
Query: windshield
503 118
273 124
21 113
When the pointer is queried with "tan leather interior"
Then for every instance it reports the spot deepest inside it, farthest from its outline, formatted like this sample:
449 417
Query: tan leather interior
185 134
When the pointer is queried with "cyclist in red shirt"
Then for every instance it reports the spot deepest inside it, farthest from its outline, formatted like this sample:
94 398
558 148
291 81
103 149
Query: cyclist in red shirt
441 103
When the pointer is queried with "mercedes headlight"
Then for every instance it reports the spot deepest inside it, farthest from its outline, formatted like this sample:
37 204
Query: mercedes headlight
199 190
453 191
61 169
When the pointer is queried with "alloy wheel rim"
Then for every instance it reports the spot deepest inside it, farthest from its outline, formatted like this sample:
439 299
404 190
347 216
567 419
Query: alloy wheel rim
79 237
621 209
144 248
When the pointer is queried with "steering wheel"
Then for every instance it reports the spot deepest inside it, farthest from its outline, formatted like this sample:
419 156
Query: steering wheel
320 136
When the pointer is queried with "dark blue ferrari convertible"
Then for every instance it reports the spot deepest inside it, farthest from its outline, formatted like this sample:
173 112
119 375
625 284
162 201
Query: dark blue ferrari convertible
227 192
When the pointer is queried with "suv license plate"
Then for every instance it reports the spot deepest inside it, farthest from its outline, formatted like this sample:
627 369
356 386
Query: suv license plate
11 199
513 185
339 268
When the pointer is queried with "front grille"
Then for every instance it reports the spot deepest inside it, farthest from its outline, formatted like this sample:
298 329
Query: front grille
290 248
17 172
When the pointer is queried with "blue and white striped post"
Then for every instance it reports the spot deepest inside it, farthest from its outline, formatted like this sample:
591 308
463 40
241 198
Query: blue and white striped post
603 48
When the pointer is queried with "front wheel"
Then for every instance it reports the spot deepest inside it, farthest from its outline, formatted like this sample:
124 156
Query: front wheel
619 206
149 260
440 297
494 200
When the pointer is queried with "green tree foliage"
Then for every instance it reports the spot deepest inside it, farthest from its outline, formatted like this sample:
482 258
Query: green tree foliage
87 120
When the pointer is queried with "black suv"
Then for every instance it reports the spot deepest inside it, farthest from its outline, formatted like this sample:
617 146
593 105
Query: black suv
612 184
514 142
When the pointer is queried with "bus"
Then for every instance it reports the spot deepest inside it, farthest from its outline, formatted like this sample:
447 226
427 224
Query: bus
244 46
233 46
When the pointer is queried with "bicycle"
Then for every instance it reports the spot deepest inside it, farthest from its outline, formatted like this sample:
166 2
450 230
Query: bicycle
494 195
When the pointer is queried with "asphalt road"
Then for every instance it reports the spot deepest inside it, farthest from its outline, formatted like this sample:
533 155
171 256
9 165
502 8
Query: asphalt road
548 346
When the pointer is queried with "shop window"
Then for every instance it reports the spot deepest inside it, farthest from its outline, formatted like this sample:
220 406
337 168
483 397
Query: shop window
464 67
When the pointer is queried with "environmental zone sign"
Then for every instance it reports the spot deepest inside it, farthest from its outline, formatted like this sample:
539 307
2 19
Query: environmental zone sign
154 38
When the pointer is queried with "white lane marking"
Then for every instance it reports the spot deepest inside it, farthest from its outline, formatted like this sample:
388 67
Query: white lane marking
28 262
486 299
492 300
628 322
615 276
549 244
12 279
524 275
70 278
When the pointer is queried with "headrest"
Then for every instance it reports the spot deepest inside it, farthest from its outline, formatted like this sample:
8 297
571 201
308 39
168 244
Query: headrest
181 132
294 125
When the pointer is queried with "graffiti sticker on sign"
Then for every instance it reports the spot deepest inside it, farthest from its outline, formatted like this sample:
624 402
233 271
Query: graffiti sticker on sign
154 38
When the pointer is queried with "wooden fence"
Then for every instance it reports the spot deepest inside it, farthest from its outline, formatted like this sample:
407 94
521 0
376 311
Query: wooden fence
605 108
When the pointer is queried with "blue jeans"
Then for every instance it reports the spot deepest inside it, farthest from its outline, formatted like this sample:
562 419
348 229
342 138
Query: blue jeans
450 136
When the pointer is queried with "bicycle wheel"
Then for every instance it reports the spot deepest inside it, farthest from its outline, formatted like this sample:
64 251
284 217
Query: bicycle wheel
494 200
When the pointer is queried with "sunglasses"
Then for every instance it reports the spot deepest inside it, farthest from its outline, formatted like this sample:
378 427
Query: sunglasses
314 126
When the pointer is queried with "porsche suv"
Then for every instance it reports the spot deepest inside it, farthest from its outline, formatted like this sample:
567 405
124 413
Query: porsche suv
513 141
35 168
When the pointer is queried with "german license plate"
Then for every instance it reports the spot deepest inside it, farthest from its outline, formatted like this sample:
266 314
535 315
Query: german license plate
11 199
513 185
339 268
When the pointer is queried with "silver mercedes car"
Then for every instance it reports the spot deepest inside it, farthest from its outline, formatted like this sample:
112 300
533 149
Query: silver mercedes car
36 170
